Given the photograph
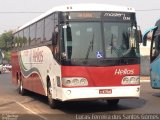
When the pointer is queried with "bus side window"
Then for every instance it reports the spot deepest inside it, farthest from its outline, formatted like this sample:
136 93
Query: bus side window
21 40
40 31
155 47
55 38
15 41
158 42
33 34
55 42
26 36
49 28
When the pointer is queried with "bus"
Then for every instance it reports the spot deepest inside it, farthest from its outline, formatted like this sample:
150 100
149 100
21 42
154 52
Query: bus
1 58
153 35
79 52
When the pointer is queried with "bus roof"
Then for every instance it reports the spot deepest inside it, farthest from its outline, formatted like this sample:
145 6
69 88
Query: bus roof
81 7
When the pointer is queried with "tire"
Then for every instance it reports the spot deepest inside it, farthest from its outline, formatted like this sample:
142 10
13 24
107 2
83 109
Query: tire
21 90
113 102
52 102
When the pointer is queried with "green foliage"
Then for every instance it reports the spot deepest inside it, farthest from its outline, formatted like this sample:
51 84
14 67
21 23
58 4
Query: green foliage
6 40
7 56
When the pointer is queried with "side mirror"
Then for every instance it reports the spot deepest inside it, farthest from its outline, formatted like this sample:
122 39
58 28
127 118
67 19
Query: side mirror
145 40
139 35
63 55
54 38
146 36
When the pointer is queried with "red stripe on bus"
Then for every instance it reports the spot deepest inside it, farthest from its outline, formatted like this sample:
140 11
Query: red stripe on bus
101 76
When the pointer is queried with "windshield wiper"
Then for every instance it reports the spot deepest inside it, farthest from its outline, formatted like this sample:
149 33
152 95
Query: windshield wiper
113 48
90 47
116 49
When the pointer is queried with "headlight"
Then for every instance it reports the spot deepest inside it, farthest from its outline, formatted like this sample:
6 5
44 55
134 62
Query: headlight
75 81
138 80
130 80
84 82
125 80
68 82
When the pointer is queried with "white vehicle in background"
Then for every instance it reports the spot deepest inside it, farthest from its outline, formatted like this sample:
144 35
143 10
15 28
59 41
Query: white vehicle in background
7 68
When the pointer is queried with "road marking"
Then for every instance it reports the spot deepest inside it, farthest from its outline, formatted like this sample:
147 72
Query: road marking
31 111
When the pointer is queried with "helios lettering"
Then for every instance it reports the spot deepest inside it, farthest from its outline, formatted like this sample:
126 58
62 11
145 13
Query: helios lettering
124 72
37 56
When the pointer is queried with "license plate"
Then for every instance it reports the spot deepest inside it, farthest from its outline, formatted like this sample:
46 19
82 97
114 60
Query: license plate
105 91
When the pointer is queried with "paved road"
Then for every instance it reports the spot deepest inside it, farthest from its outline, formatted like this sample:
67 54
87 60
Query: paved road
33 106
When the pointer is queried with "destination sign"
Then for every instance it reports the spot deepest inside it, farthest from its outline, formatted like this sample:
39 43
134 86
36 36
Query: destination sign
107 16
84 15
118 16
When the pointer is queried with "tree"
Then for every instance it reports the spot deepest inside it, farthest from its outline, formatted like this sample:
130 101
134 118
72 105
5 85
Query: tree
6 40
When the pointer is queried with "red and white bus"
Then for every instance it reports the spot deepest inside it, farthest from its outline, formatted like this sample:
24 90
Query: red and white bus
79 52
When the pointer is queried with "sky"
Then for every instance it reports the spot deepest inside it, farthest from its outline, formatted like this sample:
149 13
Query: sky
12 13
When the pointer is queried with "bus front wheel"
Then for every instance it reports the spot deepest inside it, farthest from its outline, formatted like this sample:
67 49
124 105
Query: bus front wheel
52 102
113 102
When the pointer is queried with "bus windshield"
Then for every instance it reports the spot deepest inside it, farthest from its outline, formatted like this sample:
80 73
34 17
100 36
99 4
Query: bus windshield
99 43
120 40
82 40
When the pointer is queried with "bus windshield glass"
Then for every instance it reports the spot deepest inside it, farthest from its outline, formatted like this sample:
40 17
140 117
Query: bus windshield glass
120 40
99 42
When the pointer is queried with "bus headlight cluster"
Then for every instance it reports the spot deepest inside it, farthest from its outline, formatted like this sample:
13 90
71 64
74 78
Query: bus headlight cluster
130 80
75 81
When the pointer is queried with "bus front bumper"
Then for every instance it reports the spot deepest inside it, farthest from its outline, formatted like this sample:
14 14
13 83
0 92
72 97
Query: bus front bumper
95 93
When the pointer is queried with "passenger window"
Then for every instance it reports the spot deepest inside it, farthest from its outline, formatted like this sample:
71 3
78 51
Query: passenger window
32 39
40 31
155 47
15 40
26 37
20 39
49 27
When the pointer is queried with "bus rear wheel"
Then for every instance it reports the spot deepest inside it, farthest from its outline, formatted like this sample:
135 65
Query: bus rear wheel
21 90
52 102
113 102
